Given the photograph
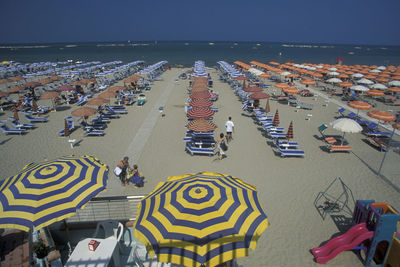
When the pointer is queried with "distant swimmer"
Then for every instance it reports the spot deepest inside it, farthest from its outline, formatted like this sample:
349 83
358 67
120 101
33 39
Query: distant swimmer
280 53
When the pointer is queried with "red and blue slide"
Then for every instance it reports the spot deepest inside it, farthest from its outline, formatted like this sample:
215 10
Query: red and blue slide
352 238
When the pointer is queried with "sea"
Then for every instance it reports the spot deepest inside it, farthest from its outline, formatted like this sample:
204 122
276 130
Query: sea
185 53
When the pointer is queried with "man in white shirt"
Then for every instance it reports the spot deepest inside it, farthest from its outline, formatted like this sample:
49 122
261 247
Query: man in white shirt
230 128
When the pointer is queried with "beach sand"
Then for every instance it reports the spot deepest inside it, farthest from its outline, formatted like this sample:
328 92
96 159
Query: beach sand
286 187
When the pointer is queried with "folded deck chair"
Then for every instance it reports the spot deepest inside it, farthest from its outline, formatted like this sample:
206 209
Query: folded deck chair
116 110
19 125
35 119
7 130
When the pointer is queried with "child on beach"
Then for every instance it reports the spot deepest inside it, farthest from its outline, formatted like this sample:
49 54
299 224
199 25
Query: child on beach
135 177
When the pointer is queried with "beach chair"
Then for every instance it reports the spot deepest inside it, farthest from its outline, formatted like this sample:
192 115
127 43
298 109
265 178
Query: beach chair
274 129
71 127
290 152
286 144
7 130
115 110
97 126
82 100
274 135
94 132
195 150
100 119
335 198
19 125
35 119
330 139
339 148
372 129
341 111
304 105
351 115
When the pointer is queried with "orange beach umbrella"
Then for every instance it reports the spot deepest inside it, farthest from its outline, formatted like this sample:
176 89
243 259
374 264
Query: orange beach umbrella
382 115
307 82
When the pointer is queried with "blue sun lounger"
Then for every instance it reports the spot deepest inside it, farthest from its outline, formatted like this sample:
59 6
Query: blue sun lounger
19 125
35 119
7 130
286 144
93 132
270 128
116 110
71 127
277 135
372 130
291 152
195 150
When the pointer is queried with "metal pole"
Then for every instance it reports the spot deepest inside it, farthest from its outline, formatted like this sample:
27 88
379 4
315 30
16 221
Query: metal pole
387 150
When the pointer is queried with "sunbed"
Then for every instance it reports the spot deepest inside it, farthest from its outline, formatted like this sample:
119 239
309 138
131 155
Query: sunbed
19 125
290 152
277 135
100 119
35 119
339 148
97 126
286 144
372 130
7 130
116 110
94 132
195 150
303 105
270 128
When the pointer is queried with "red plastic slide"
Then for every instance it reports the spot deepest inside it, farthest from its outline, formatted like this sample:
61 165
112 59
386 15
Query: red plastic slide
352 238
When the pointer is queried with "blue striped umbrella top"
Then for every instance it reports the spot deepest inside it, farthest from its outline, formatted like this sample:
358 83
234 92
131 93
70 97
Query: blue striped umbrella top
42 194
200 219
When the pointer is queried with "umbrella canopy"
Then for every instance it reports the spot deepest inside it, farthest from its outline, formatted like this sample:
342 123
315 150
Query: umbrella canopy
49 95
291 90
65 88
394 83
307 82
2 94
201 125
97 101
253 89
289 134
346 84
116 88
42 194
259 95
200 113
394 89
359 88
281 85
360 105
334 80
382 115
84 112
201 102
275 122
16 89
378 86
199 95
346 125
200 219
375 93
32 84
365 81
107 94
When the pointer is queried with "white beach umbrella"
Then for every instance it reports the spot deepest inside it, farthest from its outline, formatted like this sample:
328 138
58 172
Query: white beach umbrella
346 125
332 69
394 83
333 73
378 86
334 80
365 81
375 70
319 67
359 88
357 75
285 73
381 68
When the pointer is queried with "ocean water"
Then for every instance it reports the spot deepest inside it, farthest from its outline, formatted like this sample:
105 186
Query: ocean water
185 53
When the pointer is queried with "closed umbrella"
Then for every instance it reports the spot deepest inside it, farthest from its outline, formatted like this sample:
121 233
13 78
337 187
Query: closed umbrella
202 219
275 122
267 108
201 125
66 128
346 125
42 194
289 134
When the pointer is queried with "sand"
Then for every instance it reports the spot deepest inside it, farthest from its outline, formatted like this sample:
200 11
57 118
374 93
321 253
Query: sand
287 186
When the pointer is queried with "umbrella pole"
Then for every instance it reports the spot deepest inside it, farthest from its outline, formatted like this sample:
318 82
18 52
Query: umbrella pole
387 150
343 138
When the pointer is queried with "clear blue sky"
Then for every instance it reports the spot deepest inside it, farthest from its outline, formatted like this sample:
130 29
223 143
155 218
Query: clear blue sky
375 22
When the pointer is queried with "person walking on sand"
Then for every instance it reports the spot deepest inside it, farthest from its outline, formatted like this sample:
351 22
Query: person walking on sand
222 147
230 127
124 164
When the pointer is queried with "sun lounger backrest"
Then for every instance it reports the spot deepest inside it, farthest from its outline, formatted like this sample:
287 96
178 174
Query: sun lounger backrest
322 128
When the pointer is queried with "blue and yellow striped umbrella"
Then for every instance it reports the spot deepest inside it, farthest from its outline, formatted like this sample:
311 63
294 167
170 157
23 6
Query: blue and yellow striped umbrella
42 194
200 219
